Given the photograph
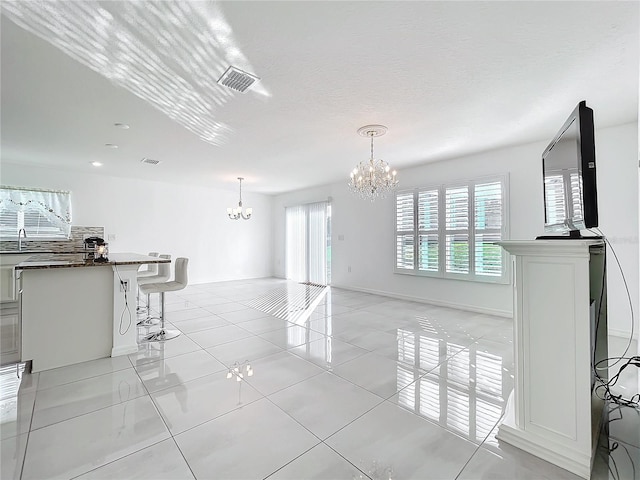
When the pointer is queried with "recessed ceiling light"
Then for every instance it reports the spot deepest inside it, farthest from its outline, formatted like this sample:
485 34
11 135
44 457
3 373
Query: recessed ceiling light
111 145
123 126
96 164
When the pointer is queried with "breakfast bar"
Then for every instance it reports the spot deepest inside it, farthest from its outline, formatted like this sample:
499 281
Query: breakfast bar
74 309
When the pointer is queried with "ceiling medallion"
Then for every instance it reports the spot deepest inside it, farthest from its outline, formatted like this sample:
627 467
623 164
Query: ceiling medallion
372 179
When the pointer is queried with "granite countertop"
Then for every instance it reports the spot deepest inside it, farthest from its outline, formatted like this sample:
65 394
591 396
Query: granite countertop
27 252
70 260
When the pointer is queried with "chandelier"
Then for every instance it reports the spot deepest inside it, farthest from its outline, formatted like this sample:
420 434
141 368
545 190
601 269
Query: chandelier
372 179
236 213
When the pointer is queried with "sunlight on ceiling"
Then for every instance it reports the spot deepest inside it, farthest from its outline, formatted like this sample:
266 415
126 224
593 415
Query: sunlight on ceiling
169 54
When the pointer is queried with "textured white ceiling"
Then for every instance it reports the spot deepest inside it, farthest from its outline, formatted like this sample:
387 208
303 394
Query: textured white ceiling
446 78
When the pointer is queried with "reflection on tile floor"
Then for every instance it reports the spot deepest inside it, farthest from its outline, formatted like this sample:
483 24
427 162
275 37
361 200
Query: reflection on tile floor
357 386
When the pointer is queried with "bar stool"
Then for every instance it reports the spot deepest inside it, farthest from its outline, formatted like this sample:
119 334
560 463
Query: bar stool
178 283
164 272
152 269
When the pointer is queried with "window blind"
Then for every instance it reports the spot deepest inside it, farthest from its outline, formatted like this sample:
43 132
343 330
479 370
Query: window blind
307 242
452 230
457 236
43 214
488 229
428 244
405 224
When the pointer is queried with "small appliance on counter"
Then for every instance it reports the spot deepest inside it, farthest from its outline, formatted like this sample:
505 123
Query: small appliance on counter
102 253
96 250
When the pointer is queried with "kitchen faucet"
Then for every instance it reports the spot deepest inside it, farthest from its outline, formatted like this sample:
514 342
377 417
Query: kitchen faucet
22 230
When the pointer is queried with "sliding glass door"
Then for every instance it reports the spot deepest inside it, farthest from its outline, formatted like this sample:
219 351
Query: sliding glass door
308 243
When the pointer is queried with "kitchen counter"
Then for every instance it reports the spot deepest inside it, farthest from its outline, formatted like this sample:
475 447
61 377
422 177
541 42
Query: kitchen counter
63 260
72 313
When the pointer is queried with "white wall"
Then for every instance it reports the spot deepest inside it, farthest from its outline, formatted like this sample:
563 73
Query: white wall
617 171
181 220
369 244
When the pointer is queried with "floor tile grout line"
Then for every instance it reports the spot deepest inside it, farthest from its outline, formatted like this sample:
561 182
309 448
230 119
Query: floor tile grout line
467 462
92 411
38 389
175 434
86 413
118 459
26 444
291 461
157 408
347 460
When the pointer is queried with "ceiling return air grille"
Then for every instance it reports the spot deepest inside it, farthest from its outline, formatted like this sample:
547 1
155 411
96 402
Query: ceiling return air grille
150 161
236 79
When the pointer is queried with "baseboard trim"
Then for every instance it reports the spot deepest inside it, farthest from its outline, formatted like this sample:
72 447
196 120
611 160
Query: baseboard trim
124 350
439 303
622 333
573 461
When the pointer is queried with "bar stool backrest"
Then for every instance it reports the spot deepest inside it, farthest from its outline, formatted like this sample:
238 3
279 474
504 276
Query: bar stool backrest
164 269
181 271
153 267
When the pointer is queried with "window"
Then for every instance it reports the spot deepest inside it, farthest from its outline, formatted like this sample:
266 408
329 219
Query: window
450 230
308 243
43 214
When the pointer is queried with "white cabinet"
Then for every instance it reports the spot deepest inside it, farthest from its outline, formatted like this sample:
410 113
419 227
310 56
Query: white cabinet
7 276
560 291
9 312
9 334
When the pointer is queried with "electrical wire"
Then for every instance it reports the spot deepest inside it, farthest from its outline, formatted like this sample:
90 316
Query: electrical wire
126 308
626 286
634 400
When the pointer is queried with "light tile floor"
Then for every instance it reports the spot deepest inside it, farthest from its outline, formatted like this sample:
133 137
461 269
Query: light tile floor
363 386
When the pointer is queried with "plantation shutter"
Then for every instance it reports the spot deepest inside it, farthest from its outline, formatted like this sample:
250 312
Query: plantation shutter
457 230
428 231
452 231
488 208
405 237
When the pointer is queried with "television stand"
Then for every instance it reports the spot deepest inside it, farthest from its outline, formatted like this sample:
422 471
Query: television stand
565 237
553 412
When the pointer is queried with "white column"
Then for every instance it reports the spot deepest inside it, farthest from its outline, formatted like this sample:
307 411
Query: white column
125 335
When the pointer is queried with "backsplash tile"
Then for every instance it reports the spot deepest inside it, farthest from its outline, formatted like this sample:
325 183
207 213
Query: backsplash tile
74 244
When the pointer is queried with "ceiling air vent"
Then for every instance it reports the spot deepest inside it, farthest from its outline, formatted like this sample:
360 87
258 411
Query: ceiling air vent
236 79
150 161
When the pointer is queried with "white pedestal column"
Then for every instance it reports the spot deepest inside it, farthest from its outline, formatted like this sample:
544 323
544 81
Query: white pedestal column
124 310
558 289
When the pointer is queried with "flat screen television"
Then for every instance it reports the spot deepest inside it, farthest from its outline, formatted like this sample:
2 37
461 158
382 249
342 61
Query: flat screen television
569 173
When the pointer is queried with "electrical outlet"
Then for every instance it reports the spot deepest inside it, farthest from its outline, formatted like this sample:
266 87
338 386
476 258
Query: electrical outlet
349 268
111 237
124 286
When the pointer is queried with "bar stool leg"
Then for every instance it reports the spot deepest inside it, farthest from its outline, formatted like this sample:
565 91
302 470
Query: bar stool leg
149 320
163 334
